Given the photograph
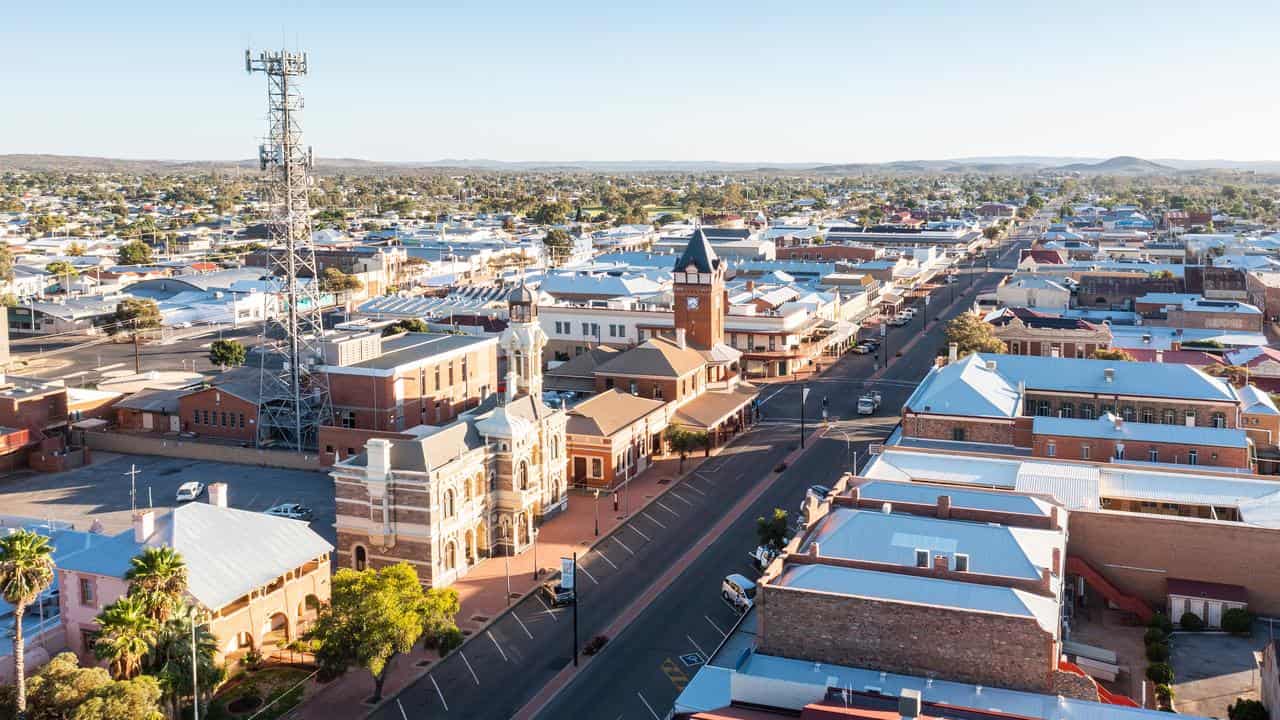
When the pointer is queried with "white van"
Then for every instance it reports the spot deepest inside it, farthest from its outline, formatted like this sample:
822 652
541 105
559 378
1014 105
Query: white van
738 591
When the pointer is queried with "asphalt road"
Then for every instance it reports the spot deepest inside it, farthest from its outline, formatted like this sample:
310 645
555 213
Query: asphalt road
642 670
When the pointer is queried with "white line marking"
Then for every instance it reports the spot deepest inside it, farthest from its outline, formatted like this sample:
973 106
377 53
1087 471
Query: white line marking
646 537
402 712
647 705
504 654
442 702
606 559
587 572
775 392
547 609
673 494
694 488
522 627
473 670
714 625
708 480
664 507
655 522
624 545
695 646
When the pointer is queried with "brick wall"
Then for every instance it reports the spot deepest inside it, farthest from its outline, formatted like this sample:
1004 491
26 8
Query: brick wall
645 386
1117 403
828 253
940 427
995 650
432 394
1100 449
339 443
1215 321
220 414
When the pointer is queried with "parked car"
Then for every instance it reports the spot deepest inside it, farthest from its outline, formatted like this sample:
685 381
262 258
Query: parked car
869 403
556 595
189 491
862 349
900 320
872 342
738 591
762 556
817 492
293 511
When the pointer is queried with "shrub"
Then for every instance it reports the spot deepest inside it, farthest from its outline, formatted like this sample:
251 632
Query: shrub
594 645
1243 709
1237 620
1157 652
1160 673
1154 635
1162 621
1191 621
448 639
252 660
1164 692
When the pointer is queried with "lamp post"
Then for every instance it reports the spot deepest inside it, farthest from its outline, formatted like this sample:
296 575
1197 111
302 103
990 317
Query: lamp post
534 534
597 512
506 558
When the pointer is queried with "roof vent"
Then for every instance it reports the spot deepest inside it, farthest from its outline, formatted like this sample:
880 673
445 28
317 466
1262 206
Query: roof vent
909 704
886 508
991 365
1109 375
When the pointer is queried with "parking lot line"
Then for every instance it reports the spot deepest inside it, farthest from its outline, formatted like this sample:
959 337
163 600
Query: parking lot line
714 625
655 522
606 559
646 537
522 627
705 479
624 545
673 494
587 572
664 507
547 609
694 643
647 705
694 488
473 670
503 652
403 714
442 702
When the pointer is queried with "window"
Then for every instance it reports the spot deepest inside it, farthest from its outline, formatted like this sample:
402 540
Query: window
586 329
1168 417
1084 452
1153 455
205 414
657 392
195 416
957 434
634 390
595 330
1128 413
1193 457
1042 408
922 558
242 420
1119 455
328 449
1015 348
448 504
962 562
1066 410
1219 420
1051 449
1190 418
451 373
349 419
1148 415
465 369
1086 411
597 467
360 559
437 386
86 592
224 419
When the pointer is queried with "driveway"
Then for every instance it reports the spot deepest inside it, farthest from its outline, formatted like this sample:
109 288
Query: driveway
1212 670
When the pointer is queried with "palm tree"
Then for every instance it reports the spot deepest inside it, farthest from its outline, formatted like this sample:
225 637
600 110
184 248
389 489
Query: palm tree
158 578
26 569
170 658
125 636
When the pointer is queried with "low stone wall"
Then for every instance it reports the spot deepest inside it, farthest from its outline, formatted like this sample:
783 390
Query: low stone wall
195 450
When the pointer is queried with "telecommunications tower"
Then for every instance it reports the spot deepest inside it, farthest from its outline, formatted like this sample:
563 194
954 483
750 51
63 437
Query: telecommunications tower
294 400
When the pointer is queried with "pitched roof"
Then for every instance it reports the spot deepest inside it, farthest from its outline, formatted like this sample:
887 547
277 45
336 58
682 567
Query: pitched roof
712 407
609 412
698 253
1129 378
966 387
655 356
154 400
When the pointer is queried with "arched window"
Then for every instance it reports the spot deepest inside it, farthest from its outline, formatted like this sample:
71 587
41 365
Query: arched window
1067 410
1169 417
523 479
1128 413
450 555
360 560
1148 415
448 503
1219 420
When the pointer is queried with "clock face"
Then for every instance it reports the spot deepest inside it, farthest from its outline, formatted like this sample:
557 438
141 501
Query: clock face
692 303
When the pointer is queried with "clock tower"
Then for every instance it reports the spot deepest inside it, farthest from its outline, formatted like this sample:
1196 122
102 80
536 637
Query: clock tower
699 293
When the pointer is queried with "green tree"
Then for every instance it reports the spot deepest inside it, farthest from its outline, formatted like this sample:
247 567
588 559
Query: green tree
685 441
973 335
772 531
75 250
414 325
134 314
158 579
62 690
439 613
334 280
1245 709
61 269
557 244
26 570
134 252
1117 354
169 660
227 353
991 232
125 636
6 263
551 213
372 616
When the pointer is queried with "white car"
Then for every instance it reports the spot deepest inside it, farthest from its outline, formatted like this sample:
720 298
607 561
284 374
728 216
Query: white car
293 511
189 491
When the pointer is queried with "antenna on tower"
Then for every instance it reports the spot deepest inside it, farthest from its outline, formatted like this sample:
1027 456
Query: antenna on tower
293 400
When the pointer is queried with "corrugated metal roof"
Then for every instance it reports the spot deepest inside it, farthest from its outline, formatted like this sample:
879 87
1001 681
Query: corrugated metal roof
1075 486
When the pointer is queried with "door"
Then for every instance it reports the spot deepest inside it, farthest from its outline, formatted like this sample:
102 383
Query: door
1177 606
579 470
175 424
146 421
1215 614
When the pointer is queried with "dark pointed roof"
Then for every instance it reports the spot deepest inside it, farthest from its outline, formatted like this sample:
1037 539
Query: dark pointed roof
698 253
521 294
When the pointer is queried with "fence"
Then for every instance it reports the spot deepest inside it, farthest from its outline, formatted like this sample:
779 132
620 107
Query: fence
192 450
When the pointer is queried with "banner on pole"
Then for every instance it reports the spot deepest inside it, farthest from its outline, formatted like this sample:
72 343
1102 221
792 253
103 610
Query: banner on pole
567 567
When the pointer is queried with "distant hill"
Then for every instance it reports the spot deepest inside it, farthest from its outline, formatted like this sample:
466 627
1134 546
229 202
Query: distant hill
1119 165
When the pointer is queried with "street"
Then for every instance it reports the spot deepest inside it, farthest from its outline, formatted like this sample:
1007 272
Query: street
642 670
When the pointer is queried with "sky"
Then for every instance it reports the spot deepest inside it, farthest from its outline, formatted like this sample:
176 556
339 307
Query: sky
817 81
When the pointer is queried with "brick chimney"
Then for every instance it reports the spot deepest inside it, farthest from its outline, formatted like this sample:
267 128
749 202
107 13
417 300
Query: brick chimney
218 494
815 550
1057 561
144 525
940 563
379 454
944 507
1054 522
953 352
1046 580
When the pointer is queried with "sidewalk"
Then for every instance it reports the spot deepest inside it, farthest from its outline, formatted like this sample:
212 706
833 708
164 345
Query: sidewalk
482 593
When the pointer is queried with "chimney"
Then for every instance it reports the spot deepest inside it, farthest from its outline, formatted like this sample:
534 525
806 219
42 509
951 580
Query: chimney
1159 356
1054 523
944 507
218 494
1109 375
680 338
144 525
815 550
886 508
953 352
1057 561
379 453
855 493
909 704
1046 580
751 286
991 365
1119 421
940 563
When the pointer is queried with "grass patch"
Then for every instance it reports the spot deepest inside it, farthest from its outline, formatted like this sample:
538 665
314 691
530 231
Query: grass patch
264 686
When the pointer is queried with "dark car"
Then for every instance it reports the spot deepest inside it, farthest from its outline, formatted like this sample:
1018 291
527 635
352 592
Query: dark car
556 595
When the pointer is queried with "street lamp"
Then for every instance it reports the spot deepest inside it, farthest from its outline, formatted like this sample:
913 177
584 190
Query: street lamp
597 512
506 557
534 533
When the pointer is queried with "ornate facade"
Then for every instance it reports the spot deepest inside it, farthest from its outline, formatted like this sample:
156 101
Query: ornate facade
451 495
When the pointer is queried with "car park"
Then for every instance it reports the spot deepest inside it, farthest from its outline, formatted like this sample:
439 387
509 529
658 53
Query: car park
189 491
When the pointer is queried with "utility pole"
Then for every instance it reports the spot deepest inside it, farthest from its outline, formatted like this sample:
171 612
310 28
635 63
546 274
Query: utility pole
575 609
133 487
804 395
137 357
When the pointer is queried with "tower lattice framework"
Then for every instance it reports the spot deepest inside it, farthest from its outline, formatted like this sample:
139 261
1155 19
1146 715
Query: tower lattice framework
294 400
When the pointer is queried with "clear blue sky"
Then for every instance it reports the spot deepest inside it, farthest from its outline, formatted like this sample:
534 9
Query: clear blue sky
739 81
